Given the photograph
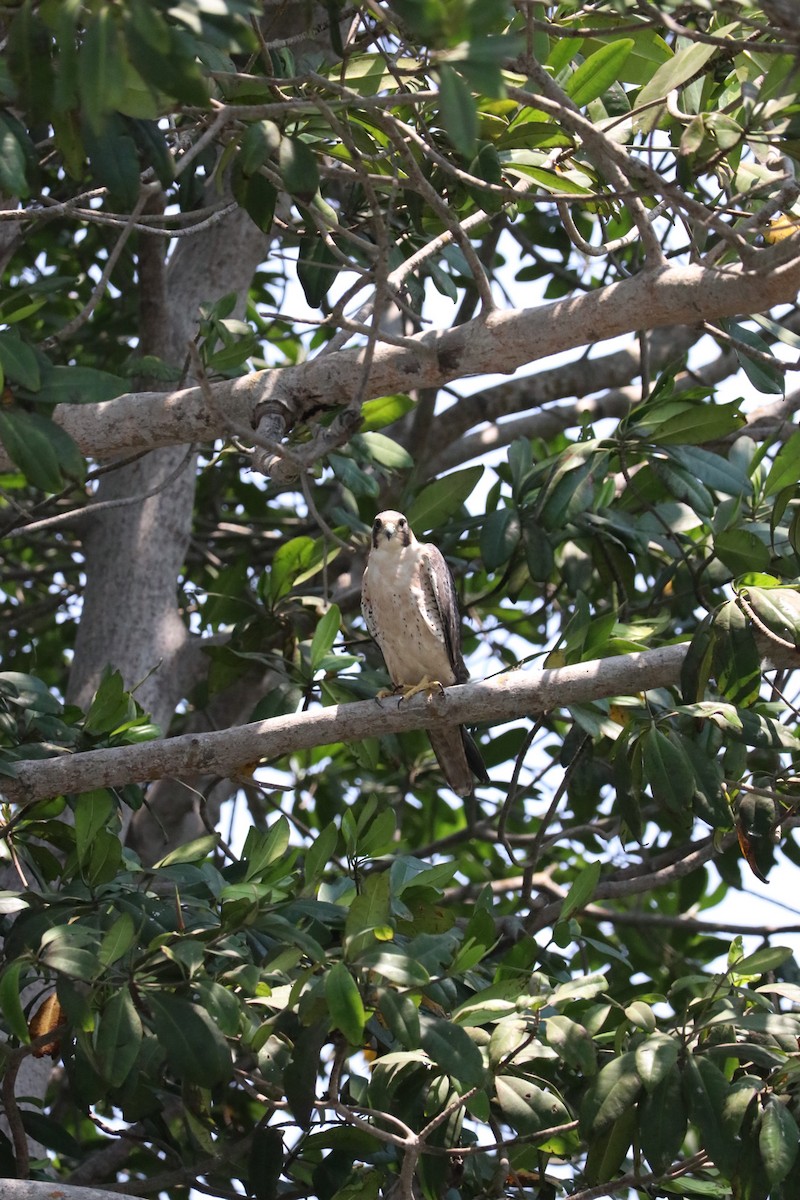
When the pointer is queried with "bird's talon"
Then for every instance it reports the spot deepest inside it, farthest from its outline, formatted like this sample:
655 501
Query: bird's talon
425 685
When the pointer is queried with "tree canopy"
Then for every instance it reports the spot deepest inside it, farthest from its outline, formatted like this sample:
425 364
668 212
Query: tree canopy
528 273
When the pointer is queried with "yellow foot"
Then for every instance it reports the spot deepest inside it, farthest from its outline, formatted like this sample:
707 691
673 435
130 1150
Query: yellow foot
425 685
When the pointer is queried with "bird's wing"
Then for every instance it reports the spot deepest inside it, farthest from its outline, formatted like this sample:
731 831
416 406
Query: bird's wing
440 594
366 606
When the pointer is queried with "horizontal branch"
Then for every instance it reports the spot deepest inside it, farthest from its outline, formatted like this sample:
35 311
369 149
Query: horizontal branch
26 1189
499 342
228 752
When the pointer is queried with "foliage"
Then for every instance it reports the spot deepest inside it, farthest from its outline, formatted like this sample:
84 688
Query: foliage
374 986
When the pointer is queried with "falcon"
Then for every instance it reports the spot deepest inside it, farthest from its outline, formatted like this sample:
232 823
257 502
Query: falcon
409 603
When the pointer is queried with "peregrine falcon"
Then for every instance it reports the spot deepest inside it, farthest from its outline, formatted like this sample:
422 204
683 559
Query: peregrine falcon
409 603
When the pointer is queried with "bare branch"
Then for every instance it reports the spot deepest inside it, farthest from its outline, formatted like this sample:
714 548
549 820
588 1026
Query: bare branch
498 341
226 752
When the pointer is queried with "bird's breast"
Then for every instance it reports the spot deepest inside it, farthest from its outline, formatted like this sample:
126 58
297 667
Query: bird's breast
409 628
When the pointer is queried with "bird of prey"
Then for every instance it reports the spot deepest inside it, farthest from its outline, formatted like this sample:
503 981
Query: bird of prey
409 603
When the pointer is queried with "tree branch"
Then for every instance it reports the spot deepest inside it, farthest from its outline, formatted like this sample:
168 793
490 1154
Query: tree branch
25 1189
225 752
502 340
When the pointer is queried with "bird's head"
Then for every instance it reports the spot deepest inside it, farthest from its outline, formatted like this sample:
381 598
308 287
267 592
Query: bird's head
391 530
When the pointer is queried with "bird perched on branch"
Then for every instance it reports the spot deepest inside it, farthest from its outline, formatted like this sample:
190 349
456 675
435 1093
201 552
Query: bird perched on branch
409 603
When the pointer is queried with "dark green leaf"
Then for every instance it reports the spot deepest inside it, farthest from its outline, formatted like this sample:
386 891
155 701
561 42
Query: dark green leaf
11 1002
440 499
668 771
196 1050
499 537
92 812
26 437
345 1005
613 1091
118 1038
458 110
298 167
778 1140
741 551
79 385
582 890
527 1106
663 1120
452 1049
13 160
706 1089
102 72
260 143
785 469
19 363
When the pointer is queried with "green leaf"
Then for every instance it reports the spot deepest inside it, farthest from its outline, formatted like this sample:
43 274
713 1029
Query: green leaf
778 1140
735 656
402 1018
325 635
193 851
527 1106
458 110
771 958
610 1095
706 1089
298 167
384 410
345 1005
785 469
115 161
111 705
11 1002
300 1073
117 940
741 551
500 536
688 62
13 160
260 143
25 436
394 965
79 385
688 422
18 360
585 987
440 499
452 1049
764 377
196 1050
319 854
598 72
102 74
655 1059
92 812
663 1121
668 771
719 474
257 197
118 1038
573 1043
581 891
385 451
317 268
262 848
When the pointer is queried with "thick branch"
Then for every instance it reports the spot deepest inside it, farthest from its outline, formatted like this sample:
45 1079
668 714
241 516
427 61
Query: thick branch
226 752
502 341
25 1189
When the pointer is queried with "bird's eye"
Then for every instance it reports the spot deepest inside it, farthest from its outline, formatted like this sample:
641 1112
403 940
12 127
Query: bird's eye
401 523
377 524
